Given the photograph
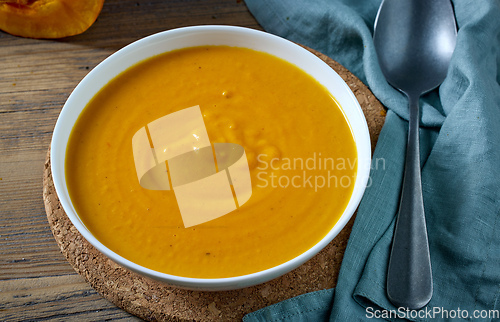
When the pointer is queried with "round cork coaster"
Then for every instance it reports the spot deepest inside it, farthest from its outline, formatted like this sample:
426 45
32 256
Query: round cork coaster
155 301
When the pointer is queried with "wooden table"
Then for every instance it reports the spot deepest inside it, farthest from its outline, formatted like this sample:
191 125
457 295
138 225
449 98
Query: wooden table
36 78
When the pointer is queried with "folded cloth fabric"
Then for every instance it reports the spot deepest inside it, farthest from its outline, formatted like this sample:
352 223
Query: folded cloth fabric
460 157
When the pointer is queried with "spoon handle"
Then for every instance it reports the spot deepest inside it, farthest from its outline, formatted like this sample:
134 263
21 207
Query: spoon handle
409 276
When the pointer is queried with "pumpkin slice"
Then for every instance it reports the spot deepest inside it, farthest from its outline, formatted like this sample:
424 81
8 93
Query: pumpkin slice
48 18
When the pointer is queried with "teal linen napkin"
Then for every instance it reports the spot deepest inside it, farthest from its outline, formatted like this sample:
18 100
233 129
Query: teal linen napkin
460 156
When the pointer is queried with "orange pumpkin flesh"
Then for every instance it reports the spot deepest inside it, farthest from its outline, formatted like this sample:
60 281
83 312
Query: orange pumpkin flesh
48 18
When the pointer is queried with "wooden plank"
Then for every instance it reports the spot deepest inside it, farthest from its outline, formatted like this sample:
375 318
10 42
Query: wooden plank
56 298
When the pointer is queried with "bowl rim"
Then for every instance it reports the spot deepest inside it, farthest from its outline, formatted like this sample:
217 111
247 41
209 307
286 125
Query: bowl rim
68 116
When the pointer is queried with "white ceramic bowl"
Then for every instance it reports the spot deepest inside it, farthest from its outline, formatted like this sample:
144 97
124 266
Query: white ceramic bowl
198 36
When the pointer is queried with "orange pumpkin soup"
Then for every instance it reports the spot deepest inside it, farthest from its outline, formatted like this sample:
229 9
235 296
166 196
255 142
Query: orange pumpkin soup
300 151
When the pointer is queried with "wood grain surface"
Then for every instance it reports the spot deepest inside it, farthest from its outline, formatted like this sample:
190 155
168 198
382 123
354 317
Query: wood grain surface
36 78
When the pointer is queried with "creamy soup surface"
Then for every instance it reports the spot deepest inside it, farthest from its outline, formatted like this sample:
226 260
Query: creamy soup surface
299 146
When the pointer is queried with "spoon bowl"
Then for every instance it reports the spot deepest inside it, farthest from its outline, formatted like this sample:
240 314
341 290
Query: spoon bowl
414 41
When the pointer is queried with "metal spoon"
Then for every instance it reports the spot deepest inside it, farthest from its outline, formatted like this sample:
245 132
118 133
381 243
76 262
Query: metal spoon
414 41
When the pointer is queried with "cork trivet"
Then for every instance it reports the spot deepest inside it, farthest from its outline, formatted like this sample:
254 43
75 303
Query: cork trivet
155 301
